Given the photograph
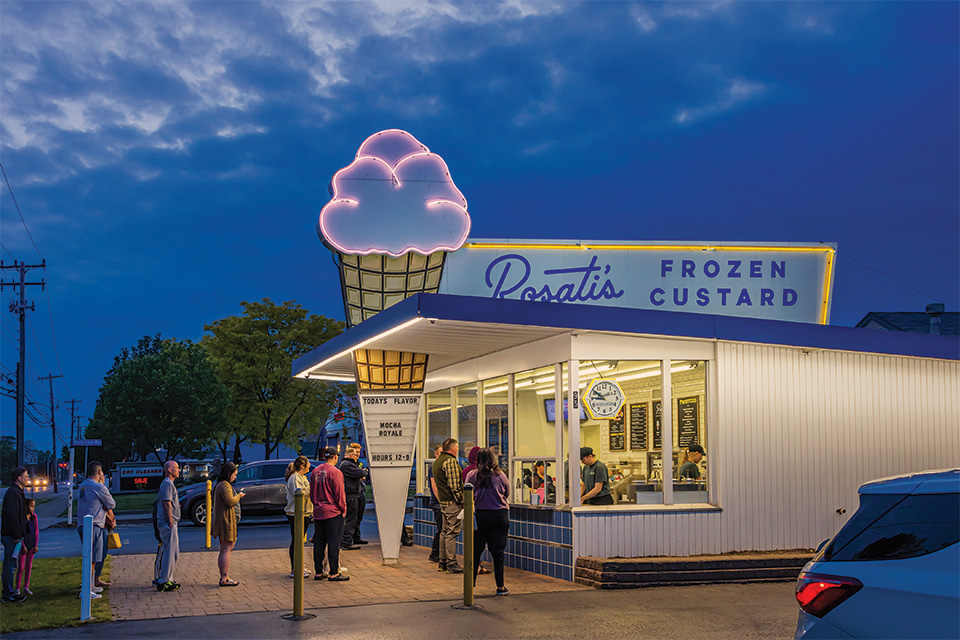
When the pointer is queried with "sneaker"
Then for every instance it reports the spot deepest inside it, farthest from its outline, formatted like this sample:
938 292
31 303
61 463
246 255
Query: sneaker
433 559
29 593
168 586
321 576
502 591
454 569
442 567
358 541
352 547
19 597
306 573
96 589
93 595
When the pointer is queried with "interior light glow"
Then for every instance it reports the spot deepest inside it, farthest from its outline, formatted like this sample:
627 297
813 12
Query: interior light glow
328 376
379 336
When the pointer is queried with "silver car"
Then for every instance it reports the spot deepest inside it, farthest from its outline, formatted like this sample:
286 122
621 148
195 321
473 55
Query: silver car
893 571
262 481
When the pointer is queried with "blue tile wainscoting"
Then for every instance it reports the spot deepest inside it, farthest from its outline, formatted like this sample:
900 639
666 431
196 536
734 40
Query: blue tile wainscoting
541 539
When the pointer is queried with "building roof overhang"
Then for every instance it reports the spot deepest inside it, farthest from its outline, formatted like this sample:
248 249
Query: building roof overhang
452 329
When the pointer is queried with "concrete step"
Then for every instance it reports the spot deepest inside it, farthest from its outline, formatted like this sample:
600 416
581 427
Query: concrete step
628 573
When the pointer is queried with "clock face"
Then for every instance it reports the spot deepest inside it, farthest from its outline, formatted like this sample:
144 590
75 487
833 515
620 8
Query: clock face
603 398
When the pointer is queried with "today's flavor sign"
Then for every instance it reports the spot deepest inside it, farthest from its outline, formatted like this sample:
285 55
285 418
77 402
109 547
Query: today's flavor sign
780 282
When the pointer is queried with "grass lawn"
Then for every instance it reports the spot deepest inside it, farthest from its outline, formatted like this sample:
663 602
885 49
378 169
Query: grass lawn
54 603
127 502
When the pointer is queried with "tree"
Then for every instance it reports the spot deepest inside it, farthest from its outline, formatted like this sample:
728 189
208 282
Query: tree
254 353
159 395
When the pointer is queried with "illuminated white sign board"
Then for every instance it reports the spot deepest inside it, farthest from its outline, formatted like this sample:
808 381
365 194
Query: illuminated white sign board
781 282
390 426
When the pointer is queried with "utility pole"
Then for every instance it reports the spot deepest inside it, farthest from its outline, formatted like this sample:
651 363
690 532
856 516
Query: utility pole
21 309
73 406
53 428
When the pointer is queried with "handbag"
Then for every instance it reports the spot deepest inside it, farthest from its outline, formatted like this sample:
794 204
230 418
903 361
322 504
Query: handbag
113 540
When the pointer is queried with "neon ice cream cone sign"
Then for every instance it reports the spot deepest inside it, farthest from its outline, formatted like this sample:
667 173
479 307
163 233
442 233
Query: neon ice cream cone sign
395 197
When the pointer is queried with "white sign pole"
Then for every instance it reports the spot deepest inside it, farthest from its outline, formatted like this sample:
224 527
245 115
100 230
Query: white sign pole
390 422
86 586
70 482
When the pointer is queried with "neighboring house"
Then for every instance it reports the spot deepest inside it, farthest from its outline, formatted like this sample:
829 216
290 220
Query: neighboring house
935 320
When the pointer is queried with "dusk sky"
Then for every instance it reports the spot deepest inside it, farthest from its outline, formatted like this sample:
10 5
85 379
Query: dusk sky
170 159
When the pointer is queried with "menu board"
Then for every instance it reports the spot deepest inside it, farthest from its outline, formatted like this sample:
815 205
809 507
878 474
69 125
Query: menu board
638 426
618 432
657 424
688 420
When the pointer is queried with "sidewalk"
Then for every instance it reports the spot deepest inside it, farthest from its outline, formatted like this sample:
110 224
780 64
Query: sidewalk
265 584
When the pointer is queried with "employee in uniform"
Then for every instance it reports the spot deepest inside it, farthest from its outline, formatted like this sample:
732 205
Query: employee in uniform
689 468
594 479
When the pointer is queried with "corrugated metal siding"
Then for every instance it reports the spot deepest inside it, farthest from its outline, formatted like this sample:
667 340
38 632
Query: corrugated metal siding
797 432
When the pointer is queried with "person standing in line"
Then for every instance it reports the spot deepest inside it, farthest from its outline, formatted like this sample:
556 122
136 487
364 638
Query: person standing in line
689 468
446 475
224 523
490 492
353 476
296 475
31 543
435 507
329 507
166 516
95 500
594 479
471 463
13 529
362 499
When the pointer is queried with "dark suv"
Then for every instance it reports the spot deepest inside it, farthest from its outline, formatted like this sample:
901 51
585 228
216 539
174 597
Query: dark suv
262 481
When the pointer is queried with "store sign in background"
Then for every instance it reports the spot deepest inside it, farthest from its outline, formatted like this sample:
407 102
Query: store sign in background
779 282
146 478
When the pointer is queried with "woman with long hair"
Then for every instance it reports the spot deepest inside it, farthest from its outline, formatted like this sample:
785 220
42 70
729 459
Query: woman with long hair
224 522
490 492
296 477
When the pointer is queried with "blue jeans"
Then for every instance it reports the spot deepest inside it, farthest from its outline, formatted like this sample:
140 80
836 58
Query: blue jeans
9 565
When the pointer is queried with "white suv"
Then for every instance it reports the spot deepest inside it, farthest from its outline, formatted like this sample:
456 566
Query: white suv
893 571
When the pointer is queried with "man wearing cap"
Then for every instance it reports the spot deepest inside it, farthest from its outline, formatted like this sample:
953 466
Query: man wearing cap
594 479
689 468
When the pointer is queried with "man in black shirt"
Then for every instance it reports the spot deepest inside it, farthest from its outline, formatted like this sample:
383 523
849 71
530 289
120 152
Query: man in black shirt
353 477
13 530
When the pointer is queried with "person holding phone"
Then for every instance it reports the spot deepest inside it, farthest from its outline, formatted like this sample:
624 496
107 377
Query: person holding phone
224 523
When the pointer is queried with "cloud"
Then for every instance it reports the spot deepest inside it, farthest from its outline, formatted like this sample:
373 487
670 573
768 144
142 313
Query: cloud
396 197
734 94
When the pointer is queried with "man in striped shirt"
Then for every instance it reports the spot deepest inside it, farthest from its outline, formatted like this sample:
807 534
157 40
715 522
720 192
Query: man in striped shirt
446 475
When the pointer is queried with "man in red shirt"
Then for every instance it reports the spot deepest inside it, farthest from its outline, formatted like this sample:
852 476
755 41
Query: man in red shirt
329 500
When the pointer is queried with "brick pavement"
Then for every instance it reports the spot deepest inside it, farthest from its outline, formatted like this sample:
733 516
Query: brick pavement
265 584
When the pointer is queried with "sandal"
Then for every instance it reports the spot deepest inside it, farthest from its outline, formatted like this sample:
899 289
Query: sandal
482 570
338 578
228 583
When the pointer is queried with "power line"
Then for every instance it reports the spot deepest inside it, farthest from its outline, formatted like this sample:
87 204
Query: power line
10 189
890 275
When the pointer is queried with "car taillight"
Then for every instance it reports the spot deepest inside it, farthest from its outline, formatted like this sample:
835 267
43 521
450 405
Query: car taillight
819 594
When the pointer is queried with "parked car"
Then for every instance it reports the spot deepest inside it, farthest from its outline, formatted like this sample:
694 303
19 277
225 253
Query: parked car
893 570
262 481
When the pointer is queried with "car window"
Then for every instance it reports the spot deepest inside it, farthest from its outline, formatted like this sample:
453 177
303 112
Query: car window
250 473
274 471
910 526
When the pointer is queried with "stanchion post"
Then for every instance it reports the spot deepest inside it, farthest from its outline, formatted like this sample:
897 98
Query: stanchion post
468 545
209 507
86 586
298 554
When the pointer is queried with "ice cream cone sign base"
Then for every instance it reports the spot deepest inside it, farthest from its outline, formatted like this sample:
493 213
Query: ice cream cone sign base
390 422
